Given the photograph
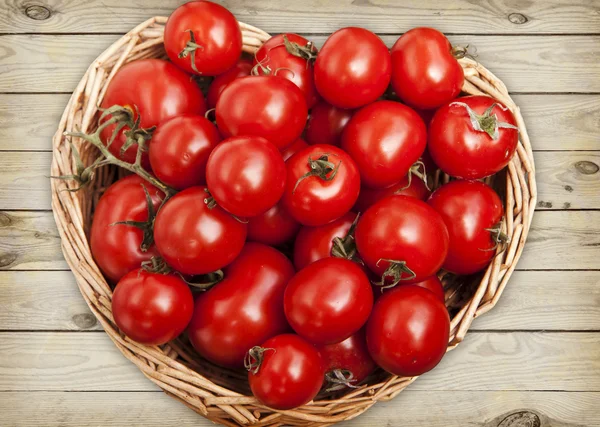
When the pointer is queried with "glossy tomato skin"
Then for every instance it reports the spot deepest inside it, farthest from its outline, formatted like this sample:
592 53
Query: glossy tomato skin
267 106
116 248
290 375
408 331
244 309
242 68
215 29
274 227
369 196
179 150
152 308
315 243
351 355
385 139
402 228
463 152
326 124
469 209
353 68
293 148
159 90
246 175
434 285
274 58
425 74
194 239
328 300
315 201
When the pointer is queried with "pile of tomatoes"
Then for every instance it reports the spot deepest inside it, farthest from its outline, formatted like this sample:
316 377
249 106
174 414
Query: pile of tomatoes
299 238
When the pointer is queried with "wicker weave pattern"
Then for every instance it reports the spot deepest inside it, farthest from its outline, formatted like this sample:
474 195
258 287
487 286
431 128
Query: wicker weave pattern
220 394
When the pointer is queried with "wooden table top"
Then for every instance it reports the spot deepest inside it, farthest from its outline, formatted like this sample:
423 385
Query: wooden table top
533 361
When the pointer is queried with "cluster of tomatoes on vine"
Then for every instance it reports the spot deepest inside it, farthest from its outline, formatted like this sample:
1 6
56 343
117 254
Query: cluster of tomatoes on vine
345 192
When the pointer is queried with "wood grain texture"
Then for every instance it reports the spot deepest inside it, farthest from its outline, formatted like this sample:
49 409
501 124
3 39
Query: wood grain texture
319 16
25 180
38 63
54 361
154 409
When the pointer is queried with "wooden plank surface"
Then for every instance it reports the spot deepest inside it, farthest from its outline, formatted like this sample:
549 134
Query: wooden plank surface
444 409
30 63
54 361
318 16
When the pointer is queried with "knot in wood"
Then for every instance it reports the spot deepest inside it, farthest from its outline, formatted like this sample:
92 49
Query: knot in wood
5 220
37 12
586 167
521 419
84 320
7 259
517 18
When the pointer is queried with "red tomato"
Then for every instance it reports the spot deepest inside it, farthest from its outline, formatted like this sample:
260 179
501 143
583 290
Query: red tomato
384 139
473 137
241 68
315 243
158 90
117 247
203 37
322 184
408 331
267 106
274 227
401 238
292 149
471 211
244 309
351 356
246 175
434 285
326 124
152 308
369 196
274 58
328 300
425 74
179 150
195 239
353 68
285 372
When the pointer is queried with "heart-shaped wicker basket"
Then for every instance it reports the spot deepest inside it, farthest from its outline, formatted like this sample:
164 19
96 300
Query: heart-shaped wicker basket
219 394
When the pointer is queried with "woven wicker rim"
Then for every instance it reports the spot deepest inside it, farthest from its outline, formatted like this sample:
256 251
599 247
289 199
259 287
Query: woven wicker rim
219 394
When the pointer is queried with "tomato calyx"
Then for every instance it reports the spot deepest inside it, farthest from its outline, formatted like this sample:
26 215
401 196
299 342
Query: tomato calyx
459 52
499 237
147 226
158 265
339 379
486 122
190 49
345 247
396 270
418 170
308 51
321 168
254 358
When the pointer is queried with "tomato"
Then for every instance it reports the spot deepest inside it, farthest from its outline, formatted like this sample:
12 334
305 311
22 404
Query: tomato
328 300
285 372
401 238
292 149
275 58
246 175
425 72
369 196
473 137
242 68
179 150
384 139
315 243
244 309
322 184
408 331
274 227
434 285
203 37
195 239
350 358
117 247
353 68
158 90
152 308
326 124
472 212
267 106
